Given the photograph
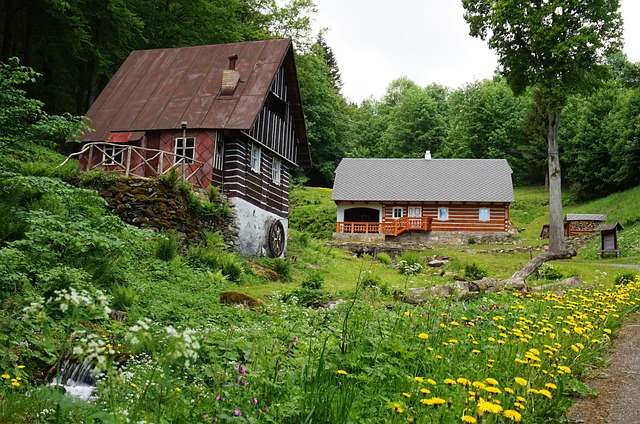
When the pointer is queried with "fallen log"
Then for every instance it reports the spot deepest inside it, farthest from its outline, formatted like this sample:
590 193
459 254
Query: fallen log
535 263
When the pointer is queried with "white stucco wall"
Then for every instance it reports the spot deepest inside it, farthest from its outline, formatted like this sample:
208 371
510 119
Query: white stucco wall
343 206
253 227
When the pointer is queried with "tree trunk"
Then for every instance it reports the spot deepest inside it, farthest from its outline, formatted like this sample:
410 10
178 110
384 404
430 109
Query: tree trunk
556 227
535 263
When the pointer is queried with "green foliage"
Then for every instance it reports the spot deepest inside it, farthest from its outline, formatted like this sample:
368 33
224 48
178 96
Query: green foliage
124 297
23 119
281 266
548 272
474 272
312 212
624 278
384 258
410 262
167 245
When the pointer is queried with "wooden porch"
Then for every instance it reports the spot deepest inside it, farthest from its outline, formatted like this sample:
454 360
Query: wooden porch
134 160
391 228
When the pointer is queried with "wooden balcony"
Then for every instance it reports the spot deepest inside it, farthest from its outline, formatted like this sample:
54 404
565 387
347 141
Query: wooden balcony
391 228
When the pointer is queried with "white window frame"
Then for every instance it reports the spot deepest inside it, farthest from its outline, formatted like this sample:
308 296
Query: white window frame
443 214
411 211
111 154
256 158
218 159
183 148
397 212
484 214
276 170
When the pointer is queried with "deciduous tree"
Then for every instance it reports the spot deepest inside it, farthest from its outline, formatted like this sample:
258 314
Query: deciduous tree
556 46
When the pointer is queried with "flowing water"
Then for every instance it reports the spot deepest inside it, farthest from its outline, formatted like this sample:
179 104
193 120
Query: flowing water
76 380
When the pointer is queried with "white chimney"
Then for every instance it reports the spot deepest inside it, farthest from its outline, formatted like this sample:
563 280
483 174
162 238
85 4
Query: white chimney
427 154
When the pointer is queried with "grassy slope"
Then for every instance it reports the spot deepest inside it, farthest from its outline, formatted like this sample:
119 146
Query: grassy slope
314 212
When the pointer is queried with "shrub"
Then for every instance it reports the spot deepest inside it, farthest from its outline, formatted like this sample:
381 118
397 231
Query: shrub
124 297
548 272
474 272
625 278
167 245
314 281
410 263
384 258
471 240
369 279
280 266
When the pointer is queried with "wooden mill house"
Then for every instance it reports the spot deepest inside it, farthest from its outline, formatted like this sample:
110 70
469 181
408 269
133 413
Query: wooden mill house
423 200
226 115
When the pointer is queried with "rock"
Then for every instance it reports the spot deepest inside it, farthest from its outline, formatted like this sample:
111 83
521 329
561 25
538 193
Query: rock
436 263
235 298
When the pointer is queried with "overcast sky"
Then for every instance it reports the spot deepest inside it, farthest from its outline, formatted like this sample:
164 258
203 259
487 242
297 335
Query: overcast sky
427 41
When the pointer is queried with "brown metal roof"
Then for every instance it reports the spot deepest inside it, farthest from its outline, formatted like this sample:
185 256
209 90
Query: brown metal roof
158 89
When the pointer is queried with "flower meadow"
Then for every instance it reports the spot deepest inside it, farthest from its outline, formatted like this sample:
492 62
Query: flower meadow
505 357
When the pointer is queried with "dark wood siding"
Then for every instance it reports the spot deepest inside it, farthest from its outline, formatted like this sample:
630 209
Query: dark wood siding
257 188
462 216
274 127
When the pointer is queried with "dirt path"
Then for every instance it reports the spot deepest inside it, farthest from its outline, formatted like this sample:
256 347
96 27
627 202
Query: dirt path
618 386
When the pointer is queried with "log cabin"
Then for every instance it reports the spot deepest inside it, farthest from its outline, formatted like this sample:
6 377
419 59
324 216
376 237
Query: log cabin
423 200
226 115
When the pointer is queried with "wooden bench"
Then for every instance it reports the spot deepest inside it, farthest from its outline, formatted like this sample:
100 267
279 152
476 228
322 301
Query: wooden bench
602 253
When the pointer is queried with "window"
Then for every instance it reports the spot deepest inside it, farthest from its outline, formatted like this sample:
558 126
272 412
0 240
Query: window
256 156
443 213
217 158
484 214
275 170
185 149
112 155
397 213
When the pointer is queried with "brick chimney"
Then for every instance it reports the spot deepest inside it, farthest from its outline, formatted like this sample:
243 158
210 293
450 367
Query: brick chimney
230 77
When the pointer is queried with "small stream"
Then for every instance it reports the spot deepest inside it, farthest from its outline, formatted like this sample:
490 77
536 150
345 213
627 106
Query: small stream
76 380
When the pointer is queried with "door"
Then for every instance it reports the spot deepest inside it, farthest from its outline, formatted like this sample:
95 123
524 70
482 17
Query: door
414 214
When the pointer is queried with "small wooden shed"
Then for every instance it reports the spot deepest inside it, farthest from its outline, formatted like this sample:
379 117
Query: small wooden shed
609 239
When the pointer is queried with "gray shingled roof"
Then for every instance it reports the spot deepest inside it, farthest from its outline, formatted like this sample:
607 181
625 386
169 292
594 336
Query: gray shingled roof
428 180
585 217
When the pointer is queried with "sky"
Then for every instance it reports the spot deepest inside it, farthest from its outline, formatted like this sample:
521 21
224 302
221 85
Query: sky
427 41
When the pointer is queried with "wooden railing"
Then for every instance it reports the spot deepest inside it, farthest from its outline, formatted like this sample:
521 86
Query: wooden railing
392 228
358 227
131 159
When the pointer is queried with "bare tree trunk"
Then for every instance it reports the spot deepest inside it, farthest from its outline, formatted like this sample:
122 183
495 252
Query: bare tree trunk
535 263
556 227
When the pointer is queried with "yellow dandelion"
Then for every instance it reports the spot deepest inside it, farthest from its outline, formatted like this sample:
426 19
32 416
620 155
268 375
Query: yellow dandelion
490 407
469 419
425 391
521 381
434 401
509 390
6 376
479 385
15 384
449 381
512 415
134 385
431 381
20 366
178 389
423 336
405 394
476 351
518 405
492 381
564 369
418 379
545 392
342 372
493 390
551 386
521 399
606 330
463 381
532 390
407 313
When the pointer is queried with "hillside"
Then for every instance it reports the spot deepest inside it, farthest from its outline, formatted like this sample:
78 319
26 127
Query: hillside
175 353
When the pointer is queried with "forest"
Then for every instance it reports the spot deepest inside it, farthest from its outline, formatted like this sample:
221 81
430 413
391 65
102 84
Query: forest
76 46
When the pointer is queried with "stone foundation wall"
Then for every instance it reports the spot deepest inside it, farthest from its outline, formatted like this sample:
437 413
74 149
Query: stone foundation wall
358 237
455 237
152 204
